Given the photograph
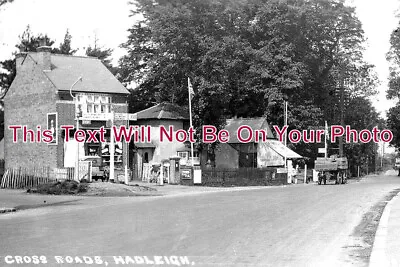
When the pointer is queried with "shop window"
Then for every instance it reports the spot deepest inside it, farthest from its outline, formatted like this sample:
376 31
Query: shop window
105 152
146 157
93 150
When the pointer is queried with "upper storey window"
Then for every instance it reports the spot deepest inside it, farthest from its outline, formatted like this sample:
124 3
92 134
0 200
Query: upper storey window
94 103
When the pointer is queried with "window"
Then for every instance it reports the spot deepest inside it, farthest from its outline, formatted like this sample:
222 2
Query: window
94 103
183 155
247 160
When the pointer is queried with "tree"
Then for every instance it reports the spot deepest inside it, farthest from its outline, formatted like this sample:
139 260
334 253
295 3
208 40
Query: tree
3 2
245 58
27 42
393 92
362 115
104 54
65 46
393 56
393 123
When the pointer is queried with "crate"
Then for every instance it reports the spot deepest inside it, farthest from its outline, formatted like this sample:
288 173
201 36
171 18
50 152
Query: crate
331 164
325 164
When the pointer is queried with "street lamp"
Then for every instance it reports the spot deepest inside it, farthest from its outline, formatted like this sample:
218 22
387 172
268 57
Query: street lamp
76 174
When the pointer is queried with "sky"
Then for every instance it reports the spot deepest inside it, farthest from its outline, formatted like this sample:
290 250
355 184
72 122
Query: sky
85 19
379 20
109 21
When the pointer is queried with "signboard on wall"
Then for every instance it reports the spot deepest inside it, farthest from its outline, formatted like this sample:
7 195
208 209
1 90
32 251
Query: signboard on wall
186 174
95 116
125 116
52 125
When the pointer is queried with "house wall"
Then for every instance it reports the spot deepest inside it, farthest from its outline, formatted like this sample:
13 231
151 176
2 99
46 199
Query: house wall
66 116
29 99
226 156
164 150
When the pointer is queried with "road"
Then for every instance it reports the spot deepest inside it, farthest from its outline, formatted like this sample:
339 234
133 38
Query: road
299 225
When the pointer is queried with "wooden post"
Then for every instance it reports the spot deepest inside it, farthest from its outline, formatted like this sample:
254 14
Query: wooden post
161 177
126 174
305 173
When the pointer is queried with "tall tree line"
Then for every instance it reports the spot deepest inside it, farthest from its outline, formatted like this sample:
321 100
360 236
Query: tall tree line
245 58
393 92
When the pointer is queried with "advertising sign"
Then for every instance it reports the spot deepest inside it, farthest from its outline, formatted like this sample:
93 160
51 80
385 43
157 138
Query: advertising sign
52 125
186 174
125 116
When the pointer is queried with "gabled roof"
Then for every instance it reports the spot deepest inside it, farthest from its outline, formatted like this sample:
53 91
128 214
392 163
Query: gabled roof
96 78
164 111
232 126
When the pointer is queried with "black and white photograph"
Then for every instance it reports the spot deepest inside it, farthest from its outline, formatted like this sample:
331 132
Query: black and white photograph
200 133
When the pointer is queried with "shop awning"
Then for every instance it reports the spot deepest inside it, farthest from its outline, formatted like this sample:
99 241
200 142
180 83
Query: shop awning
280 148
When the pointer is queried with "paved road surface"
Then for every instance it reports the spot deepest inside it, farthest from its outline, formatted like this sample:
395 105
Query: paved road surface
300 225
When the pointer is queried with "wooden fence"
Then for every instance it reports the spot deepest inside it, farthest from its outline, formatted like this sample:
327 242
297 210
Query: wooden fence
64 173
146 173
242 177
2 164
25 178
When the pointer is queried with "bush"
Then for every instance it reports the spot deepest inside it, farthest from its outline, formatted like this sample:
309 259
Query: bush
67 187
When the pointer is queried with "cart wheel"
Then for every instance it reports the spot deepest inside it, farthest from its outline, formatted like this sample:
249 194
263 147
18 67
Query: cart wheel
344 180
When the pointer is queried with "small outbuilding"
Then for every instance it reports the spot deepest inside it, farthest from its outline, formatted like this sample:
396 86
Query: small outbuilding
253 154
146 154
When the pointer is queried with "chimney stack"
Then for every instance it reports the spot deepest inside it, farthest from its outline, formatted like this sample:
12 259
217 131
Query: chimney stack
44 57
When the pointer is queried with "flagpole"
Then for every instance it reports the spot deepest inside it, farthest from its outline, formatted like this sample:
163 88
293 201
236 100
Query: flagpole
285 115
190 117
326 136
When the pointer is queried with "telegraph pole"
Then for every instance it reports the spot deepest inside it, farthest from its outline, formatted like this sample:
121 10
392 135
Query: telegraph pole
77 115
341 109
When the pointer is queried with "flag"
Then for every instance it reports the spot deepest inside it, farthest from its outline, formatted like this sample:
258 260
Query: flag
326 131
191 92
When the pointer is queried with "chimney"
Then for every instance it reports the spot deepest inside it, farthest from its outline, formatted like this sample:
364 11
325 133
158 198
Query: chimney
19 59
44 58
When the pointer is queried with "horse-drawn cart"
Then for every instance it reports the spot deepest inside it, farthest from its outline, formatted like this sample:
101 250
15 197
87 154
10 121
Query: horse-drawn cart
332 168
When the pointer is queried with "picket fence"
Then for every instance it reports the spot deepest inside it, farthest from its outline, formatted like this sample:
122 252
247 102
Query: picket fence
25 178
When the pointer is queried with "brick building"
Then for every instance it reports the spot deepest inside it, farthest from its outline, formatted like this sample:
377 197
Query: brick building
40 97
